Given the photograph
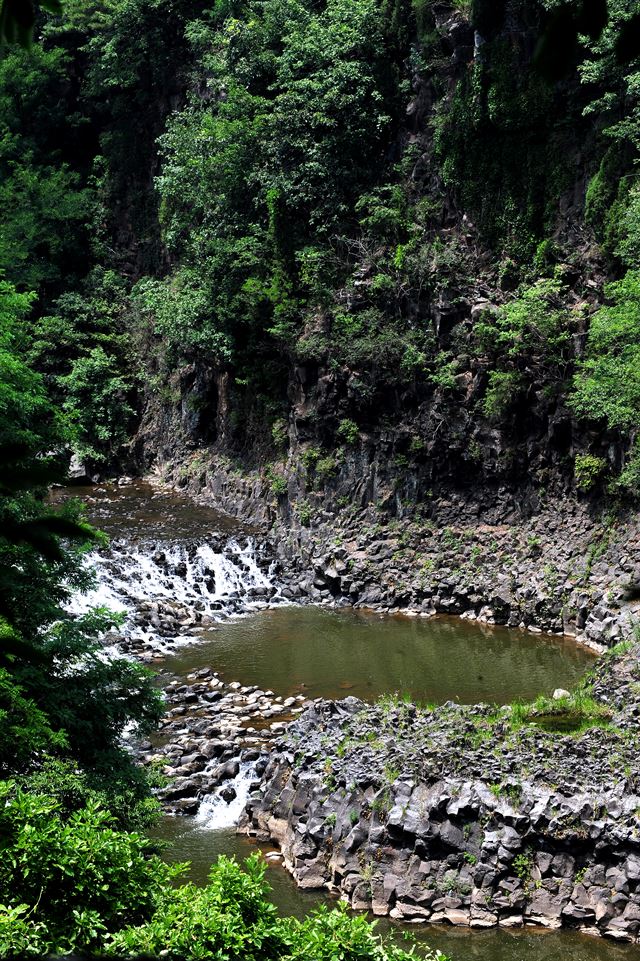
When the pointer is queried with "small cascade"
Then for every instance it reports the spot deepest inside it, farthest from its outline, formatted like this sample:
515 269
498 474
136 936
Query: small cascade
216 812
174 570
172 590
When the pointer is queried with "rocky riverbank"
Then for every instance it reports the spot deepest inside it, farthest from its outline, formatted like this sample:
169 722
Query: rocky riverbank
466 814
469 815
211 728
560 566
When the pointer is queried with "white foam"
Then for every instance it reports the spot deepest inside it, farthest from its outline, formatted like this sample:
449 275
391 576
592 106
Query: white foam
216 814
199 577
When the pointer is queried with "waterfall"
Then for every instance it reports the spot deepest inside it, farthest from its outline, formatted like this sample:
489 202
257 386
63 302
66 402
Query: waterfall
170 589
215 813
176 572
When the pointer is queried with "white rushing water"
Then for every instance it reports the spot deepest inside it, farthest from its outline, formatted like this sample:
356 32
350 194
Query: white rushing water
216 814
170 572
213 579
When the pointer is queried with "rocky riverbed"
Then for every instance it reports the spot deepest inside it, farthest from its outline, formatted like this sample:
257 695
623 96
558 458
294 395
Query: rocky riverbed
471 815
465 814
211 733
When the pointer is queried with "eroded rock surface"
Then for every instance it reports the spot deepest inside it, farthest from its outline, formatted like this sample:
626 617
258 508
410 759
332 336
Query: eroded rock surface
561 566
458 814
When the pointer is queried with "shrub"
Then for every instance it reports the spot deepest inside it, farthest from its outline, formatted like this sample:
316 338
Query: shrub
230 917
305 512
98 404
310 457
629 479
65 882
69 881
329 934
533 322
325 468
502 389
607 385
278 485
587 471
348 431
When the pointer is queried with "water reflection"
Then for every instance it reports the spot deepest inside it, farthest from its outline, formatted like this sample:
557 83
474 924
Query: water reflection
325 653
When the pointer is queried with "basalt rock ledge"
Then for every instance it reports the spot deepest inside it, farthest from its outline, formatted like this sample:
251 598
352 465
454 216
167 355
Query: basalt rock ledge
458 814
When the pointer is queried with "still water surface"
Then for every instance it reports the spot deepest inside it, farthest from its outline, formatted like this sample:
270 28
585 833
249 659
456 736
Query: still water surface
334 653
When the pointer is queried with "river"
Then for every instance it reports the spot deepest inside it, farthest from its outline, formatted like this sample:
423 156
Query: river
201 591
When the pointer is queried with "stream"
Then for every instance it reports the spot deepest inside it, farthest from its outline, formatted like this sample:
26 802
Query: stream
201 593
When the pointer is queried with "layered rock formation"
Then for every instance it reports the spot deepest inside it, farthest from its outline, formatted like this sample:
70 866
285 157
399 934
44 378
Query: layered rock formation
565 567
464 814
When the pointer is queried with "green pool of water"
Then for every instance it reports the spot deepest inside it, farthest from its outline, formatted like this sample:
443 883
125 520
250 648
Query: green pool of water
326 653
333 653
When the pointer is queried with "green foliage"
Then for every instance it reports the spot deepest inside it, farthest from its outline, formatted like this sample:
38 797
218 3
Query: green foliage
304 512
533 323
256 178
50 659
383 215
611 79
326 468
607 385
532 329
587 470
43 201
93 315
545 256
25 729
97 403
277 481
181 307
502 391
65 881
348 431
326 934
73 788
230 917
606 200
523 865
628 247
446 368
85 350
26 417
35 574
92 698
629 479
309 458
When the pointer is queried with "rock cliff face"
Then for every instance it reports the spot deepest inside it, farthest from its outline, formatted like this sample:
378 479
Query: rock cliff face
461 815
417 414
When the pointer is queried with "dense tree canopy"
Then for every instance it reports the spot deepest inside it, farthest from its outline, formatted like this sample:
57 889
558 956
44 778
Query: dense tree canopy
398 205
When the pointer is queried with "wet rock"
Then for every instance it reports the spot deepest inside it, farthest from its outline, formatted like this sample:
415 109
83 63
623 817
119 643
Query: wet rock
227 771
